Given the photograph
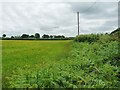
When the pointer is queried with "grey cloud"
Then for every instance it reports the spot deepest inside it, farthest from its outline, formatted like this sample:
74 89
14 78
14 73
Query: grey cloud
96 10
107 27
57 18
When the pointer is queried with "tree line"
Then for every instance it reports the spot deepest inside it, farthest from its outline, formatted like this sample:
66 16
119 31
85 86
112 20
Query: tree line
35 36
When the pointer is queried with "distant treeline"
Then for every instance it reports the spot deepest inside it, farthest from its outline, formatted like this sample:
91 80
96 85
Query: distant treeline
114 35
36 37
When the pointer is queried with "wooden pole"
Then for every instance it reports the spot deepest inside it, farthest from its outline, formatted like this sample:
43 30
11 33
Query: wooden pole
78 21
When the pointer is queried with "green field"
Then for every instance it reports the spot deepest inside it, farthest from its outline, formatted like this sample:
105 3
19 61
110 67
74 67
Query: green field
21 53
60 64
31 53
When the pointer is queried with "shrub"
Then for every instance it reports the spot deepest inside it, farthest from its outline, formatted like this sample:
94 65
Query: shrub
87 38
105 38
101 38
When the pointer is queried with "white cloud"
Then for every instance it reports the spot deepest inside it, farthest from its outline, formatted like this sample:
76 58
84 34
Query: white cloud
56 18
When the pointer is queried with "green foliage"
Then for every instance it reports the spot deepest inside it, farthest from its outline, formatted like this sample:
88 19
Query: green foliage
87 38
4 35
105 38
37 35
86 65
91 38
24 36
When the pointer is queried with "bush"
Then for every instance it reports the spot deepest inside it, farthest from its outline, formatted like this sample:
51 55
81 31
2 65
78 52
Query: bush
87 38
105 38
101 38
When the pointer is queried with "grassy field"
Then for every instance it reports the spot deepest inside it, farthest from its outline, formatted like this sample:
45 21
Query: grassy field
60 64
31 53
21 53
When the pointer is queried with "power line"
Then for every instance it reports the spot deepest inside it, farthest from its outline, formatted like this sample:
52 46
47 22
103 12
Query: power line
90 6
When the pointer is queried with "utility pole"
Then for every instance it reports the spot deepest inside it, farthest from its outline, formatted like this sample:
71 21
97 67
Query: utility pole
78 21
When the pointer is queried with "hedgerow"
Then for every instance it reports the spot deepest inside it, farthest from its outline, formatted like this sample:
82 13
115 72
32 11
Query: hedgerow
102 38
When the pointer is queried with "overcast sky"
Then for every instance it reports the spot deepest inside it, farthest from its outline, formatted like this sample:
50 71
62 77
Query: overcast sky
55 18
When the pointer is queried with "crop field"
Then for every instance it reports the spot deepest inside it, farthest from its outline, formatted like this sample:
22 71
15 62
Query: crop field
21 53
31 53
60 64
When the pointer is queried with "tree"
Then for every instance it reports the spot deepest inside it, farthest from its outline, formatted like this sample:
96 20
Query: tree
45 36
55 36
37 35
62 36
12 36
51 36
24 36
4 35
16 37
32 36
59 36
